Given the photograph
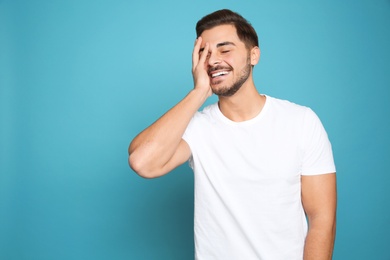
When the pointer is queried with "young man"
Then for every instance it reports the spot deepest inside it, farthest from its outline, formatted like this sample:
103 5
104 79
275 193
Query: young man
260 163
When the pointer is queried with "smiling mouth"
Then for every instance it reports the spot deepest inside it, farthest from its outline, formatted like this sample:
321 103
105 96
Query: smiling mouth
218 74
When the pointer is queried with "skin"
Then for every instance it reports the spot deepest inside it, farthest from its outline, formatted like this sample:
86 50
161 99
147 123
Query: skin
319 200
159 148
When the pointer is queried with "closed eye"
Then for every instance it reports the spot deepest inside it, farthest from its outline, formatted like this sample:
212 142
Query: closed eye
225 51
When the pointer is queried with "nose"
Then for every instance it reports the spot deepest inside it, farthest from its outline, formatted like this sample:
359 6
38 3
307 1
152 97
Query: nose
213 59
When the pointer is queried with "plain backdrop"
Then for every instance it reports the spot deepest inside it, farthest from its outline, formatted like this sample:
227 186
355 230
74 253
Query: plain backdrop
80 78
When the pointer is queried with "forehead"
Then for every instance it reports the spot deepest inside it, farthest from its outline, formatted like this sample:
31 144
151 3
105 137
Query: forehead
220 33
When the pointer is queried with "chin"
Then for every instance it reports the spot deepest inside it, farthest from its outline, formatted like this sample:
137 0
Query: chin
226 91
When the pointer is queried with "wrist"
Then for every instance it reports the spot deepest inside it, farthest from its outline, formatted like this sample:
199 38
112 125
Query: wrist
201 94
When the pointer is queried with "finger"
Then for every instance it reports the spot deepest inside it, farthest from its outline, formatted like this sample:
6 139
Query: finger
197 39
204 54
195 53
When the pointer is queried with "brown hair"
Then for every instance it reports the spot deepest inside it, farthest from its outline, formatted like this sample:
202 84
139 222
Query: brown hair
245 31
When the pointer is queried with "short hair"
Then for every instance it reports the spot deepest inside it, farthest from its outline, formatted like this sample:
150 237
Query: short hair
245 32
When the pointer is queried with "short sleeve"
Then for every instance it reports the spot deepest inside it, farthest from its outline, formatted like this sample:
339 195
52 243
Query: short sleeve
317 155
187 137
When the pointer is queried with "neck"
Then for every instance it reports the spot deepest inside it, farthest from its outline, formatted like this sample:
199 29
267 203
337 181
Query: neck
244 105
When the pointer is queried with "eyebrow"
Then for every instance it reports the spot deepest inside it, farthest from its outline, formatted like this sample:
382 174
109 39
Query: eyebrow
220 45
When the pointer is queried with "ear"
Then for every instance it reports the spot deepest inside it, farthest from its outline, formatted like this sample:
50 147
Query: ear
255 55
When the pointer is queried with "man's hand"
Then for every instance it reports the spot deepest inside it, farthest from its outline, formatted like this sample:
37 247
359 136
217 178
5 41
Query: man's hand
199 67
160 147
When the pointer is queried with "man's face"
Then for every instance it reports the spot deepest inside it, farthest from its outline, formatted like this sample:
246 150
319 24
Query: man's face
228 61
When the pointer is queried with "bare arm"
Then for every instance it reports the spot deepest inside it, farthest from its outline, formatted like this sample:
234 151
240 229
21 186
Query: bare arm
319 200
160 147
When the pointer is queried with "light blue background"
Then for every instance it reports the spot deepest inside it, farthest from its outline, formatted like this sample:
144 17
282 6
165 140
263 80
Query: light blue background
79 79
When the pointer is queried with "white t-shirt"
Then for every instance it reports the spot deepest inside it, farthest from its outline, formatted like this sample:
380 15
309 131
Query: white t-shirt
248 180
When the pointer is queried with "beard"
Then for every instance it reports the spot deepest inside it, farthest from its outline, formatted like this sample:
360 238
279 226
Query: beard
228 91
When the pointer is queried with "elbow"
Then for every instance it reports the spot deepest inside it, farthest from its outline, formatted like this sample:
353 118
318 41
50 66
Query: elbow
325 224
141 168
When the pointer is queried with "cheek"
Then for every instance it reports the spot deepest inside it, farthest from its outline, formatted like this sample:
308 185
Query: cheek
238 62
231 60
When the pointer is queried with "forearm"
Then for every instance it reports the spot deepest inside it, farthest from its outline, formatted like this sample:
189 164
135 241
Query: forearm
154 146
159 148
320 240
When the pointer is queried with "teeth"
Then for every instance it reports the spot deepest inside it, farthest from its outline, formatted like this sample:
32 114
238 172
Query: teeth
219 74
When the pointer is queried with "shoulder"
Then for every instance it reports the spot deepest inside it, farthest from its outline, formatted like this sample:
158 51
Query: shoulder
207 113
286 104
288 108
202 119
200 124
